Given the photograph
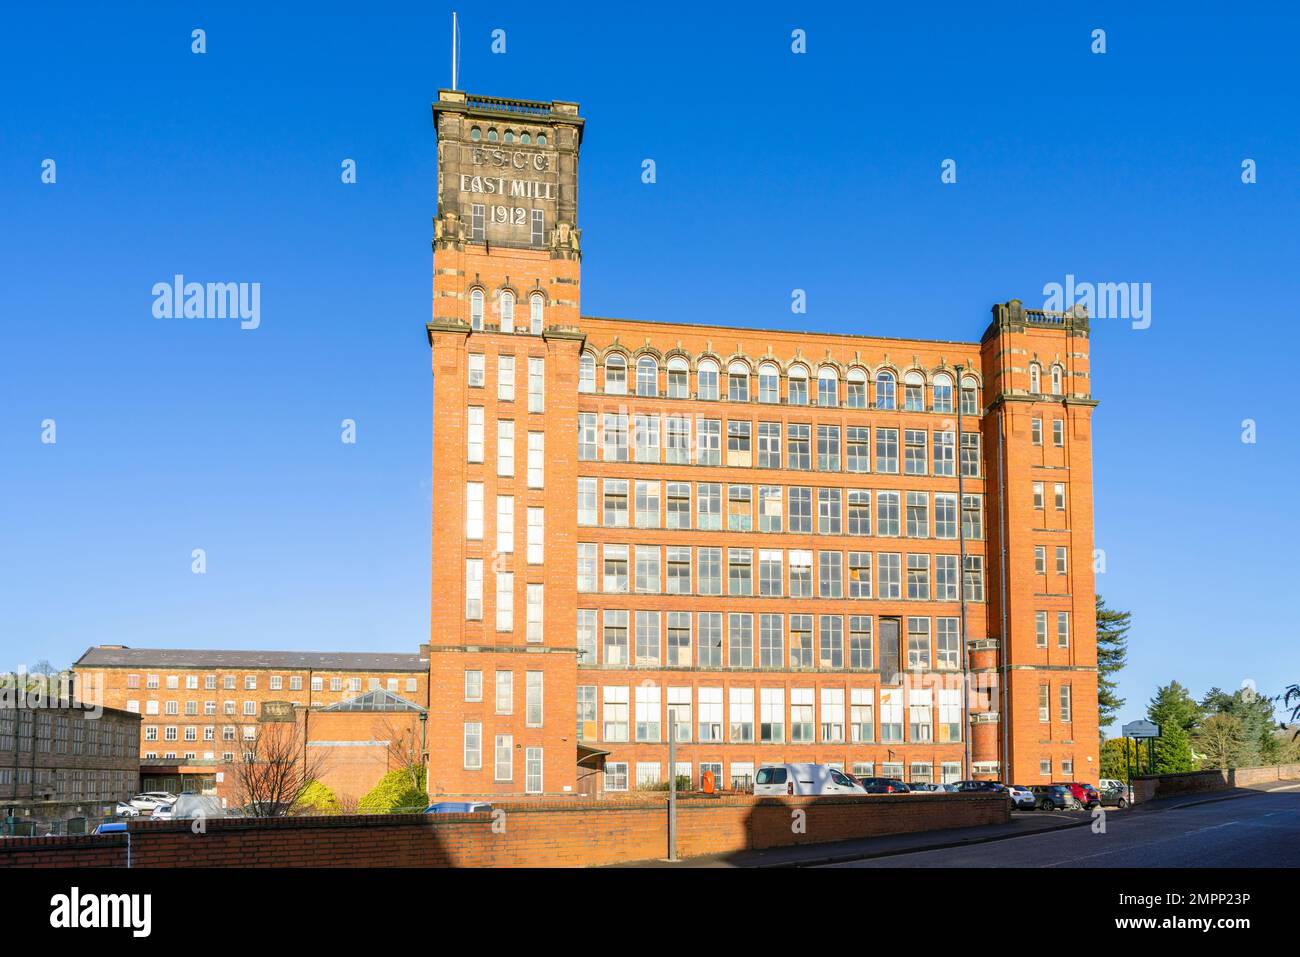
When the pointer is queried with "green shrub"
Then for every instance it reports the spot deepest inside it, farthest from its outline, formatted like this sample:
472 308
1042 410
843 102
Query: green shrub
395 793
318 799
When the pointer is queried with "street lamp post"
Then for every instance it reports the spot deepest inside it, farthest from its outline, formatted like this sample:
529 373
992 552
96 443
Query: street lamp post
672 784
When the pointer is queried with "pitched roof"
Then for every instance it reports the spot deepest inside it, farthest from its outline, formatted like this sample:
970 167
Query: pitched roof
117 656
376 699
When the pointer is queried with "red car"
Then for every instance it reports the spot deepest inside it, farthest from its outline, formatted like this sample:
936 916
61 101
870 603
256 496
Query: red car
1085 794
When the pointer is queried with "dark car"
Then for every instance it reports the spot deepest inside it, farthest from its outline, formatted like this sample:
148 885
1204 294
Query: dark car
1054 797
967 786
1114 796
923 787
884 786
1085 794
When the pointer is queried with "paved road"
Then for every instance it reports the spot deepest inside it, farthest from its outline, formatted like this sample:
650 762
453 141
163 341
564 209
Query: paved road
1261 830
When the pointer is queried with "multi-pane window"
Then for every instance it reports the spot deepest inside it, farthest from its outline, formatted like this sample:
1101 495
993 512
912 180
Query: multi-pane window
771 572
615 634
769 445
918 577
860 642
862 715
506 378
830 574
859 574
586 712
769 508
885 391
740 571
536 535
473 745
856 390
1058 496
945 445
647 638
474 511
709 643
533 756
615 375
708 504
801 716
587 373
678 379
800 574
1036 431
536 384
708 570
830 644
771 715
741 720
647 377
587 574
477 370
1040 559
915 457
679 640
738 382
800 509
970 454
891 714
647 569
857 448
942 394
648 712
615 507
887 450
708 380
1062 563
740 640
740 508
797 386
949 715
708 441
972 521
1062 629
503 765
474 439
679 570
1066 709
505 601
798 441
1040 629
476 297
918 515
1058 433
615 570
616 715
588 508
913 392
587 444
710 700
647 504
828 511
918 642
615 435
947 642
887 513
506 304
828 388
474 588
769 384
771 641
1038 494
506 524
645 435
828 448
889 575
801 641
677 438
974 578
945 577
969 397
833 715
858 509
505 447
586 638
678 505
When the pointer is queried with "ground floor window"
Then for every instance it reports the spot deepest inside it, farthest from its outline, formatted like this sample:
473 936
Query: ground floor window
533 770
616 776
742 775
922 773
864 769
951 771
892 769
647 774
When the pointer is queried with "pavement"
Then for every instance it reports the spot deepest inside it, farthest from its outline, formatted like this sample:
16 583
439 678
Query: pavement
1250 834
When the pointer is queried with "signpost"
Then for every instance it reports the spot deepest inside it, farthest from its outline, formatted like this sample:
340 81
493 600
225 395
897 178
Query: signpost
1140 731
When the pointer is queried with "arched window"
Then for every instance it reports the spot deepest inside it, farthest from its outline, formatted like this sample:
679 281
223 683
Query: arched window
796 385
914 392
679 378
525 138
1035 378
475 134
535 306
856 389
587 372
1056 380
507 311
615 375
885 390
492 136
541 139
769 383
510 136
828 387
970 404
943 392
476 309
738 382
708 379
647 376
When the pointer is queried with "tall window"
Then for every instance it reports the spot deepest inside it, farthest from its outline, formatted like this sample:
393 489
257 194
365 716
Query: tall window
1056 380
769 383
535 306
536 384
828 388
506 378
708 380
856 389
615 375
505 447
476 310
738 382
507 303
797 385
885 391
1035 377
914 392
647 377
678 378
943 393
587 373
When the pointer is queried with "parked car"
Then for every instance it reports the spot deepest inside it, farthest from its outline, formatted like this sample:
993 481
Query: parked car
914 786
773 779
110 827
1021 798
164 812
1054 797
1085 794
1115 796
125 810
979 786
947 788
151 799
1114 784
457 807
189 805
883 786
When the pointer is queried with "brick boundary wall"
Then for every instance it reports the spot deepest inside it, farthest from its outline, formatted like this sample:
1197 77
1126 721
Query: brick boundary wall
567 834
1147 788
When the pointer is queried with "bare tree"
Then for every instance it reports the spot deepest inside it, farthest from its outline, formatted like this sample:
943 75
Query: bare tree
269 774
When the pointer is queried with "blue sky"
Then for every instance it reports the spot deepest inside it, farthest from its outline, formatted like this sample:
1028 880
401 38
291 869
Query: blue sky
775 171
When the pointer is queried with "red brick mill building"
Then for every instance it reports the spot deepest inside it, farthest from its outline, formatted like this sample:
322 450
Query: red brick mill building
795 546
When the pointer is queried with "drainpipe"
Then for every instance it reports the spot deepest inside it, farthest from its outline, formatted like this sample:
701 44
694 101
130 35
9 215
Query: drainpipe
961 593
1003 651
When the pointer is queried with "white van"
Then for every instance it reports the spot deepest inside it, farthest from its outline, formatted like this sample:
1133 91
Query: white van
773 779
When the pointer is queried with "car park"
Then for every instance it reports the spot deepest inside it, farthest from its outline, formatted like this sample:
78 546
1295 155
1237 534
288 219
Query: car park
883 786
1021 798
1054 797
805 779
